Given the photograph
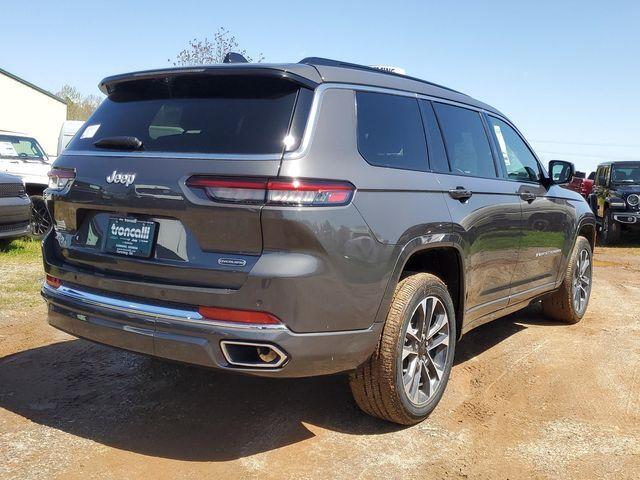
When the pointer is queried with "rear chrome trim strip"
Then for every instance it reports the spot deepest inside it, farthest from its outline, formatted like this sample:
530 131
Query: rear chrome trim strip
154 312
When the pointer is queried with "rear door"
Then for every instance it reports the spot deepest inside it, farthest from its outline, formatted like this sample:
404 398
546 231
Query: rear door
220 127
485 209
548 218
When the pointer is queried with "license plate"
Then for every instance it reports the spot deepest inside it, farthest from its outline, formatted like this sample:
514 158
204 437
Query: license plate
129 236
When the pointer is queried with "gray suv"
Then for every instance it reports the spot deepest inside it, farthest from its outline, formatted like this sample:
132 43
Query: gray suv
291 220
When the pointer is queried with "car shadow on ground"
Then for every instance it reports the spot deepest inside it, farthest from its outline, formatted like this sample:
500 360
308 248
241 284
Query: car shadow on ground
143 405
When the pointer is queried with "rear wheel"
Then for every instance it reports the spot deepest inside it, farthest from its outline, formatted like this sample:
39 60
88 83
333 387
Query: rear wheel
569 303
405 378
610 232
40 217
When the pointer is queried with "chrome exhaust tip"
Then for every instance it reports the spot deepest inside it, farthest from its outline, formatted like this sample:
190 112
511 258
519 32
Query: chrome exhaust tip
253 355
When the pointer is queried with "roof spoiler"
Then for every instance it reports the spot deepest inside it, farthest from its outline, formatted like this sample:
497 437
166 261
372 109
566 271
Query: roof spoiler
109 84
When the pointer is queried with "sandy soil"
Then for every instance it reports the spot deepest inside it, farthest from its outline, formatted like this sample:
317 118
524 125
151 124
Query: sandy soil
527 399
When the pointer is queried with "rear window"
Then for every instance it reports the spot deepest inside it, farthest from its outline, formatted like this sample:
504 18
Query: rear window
390 132
466 141
197 114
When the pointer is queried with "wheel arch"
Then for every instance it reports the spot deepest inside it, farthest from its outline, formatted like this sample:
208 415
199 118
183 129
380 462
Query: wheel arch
441 258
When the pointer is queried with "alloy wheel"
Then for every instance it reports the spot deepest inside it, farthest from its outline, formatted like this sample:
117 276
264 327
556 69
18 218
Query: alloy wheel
425 349
582 281
40 218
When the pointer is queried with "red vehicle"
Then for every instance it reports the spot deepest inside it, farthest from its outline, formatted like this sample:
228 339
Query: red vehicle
581 184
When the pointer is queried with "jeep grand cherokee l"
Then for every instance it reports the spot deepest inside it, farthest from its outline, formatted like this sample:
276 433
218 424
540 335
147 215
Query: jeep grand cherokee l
291 220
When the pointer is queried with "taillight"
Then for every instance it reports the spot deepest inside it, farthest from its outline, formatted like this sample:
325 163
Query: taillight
280 191
238 316
60 178
231 190
53 282
308 192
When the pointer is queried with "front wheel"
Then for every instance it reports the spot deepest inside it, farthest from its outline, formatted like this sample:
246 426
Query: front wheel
569 303
404 379
40 217
610 232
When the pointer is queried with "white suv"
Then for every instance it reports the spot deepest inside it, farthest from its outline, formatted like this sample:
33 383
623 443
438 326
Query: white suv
22 155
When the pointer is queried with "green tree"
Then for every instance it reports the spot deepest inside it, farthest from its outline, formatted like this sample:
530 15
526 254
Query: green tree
205 51
79 107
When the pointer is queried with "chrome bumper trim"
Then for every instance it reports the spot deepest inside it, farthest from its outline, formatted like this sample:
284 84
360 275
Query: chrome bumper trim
154 312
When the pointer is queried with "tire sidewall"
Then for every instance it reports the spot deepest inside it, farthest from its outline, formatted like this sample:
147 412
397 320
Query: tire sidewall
439 291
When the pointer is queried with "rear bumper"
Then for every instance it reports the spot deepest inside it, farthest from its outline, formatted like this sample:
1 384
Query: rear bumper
15 216
176 332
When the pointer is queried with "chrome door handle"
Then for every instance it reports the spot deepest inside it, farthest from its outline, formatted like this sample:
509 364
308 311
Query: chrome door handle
460 193
528 196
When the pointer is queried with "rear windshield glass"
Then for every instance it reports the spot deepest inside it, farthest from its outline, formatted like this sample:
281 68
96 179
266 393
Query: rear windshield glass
196 114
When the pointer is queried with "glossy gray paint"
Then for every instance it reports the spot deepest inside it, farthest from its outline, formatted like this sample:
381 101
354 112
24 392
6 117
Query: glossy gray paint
320 270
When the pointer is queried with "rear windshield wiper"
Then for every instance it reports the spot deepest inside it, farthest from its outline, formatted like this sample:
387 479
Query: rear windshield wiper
120 143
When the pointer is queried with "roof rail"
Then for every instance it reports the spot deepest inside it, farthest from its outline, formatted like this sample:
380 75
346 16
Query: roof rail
327 62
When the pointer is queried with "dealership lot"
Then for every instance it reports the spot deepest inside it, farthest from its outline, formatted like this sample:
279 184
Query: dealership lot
527 399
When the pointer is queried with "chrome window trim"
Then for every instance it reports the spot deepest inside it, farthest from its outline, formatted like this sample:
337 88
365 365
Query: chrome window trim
154 312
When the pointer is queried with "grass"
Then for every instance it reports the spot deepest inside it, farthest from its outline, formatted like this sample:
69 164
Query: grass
21 272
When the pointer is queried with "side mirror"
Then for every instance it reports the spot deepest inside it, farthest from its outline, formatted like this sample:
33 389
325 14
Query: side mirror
561 171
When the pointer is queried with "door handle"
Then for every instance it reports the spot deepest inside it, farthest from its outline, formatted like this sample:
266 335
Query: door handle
528 196
460 193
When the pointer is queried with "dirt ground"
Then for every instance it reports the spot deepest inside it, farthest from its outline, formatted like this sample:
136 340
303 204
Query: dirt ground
527 399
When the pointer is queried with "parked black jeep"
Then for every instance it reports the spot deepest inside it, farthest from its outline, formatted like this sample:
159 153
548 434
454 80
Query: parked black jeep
615 199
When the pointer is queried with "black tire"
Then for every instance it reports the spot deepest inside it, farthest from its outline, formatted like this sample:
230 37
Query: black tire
40 217
377 385
610 231
561 305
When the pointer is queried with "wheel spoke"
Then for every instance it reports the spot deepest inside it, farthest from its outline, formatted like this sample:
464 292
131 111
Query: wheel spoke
409 350
436 368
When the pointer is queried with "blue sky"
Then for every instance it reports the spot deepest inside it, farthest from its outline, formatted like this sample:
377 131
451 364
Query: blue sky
567 73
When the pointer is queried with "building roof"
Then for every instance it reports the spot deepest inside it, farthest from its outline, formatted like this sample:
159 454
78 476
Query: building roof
31 85
311 71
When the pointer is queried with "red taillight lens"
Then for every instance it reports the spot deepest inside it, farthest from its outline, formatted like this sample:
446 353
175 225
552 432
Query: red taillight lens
238 316
293 192
53 282
231 190
60 178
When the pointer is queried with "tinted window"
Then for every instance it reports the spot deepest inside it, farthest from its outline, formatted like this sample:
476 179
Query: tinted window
437 154
466 141
390 132
196 113
519 162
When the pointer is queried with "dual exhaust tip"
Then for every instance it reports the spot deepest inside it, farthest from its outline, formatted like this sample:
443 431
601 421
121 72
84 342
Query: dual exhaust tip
253 355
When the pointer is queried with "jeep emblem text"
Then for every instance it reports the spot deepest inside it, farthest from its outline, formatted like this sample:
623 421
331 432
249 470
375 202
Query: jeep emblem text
123 178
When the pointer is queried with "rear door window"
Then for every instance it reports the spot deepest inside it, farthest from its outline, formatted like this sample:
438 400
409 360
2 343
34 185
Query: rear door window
197 113
390 132
467 144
